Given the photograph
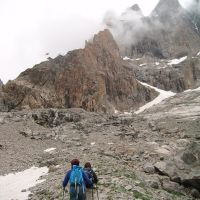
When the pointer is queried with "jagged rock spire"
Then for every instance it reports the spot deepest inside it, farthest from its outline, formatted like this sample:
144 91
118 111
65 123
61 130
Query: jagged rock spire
167 7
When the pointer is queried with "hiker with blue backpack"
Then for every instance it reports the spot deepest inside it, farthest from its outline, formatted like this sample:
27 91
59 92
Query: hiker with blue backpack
93 177
78 181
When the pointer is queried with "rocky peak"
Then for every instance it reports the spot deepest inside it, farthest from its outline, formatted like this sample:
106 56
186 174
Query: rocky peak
136 8
132 13
104 41
167 9
166 5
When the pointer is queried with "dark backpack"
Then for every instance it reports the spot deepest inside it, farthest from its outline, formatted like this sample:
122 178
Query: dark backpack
89 173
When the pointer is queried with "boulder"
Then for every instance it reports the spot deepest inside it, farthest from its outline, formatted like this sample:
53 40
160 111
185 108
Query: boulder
149 168
184 167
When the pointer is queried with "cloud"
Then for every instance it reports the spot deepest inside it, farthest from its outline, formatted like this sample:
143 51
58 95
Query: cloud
125 27
28 33
130 28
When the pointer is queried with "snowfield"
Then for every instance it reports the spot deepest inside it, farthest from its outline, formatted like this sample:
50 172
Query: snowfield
163 95
15 186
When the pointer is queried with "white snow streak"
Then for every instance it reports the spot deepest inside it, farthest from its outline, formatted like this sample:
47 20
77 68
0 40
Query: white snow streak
191 90
50 149
163 95
177 61
195 25
198 54
141 65
11 185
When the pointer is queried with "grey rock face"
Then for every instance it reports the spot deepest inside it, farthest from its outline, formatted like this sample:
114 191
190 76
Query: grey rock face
176 78
1 84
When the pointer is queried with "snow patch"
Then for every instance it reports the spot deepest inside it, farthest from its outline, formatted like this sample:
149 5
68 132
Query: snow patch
116 111
49 150
198 54
157 63
163 95
92 143
142 64
126 58
177 61
191 90
11 185
127 113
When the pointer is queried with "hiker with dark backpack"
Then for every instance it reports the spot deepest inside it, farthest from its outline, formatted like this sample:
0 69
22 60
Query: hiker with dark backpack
78 181
93 177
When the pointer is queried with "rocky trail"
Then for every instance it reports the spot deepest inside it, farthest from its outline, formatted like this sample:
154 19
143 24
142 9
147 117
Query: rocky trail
146 156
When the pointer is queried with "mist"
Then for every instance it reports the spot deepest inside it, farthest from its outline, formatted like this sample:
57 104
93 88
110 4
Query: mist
132 26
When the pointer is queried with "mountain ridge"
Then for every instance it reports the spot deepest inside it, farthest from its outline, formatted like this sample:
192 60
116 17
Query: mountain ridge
94 78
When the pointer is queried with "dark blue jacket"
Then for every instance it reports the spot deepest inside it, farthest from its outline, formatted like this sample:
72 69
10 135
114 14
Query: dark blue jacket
87 181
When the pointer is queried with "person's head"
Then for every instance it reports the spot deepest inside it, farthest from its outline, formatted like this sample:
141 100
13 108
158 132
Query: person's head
75 162
87 165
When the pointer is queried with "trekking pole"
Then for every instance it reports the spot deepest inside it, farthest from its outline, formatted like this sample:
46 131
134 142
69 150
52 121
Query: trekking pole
97 193
92 193
63 193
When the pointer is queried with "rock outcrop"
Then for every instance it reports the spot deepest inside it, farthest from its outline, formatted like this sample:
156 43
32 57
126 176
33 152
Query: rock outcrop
182 112
184 167
2 104
94 78
177 77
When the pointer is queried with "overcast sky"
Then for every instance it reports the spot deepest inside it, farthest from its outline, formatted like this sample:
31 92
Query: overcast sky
32 28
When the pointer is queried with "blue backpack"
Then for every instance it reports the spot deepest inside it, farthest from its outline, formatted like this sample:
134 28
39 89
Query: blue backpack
76 177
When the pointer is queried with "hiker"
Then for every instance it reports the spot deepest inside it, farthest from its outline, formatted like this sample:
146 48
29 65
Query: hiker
93 177
78 181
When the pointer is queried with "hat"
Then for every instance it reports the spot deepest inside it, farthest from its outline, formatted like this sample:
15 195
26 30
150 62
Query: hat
75 162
